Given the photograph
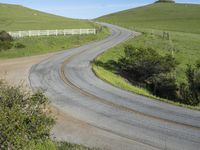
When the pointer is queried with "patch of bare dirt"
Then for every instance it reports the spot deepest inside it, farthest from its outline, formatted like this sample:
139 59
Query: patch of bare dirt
16 71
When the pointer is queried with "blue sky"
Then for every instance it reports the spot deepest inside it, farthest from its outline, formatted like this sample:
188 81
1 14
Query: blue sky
84 9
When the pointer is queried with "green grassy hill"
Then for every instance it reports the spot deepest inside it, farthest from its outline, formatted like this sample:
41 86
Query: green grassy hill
15 17
162 16
181 21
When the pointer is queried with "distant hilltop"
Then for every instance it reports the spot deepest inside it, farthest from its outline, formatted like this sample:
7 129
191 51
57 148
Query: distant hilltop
165 1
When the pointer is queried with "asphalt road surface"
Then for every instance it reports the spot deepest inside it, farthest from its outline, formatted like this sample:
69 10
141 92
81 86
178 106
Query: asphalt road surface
68 80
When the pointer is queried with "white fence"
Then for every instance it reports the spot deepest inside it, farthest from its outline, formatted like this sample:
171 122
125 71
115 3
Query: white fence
19 34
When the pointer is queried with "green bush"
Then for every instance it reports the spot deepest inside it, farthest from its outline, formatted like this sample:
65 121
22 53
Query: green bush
19 45
24 118
190 92
5 45
147 68
139 64
5 41
163 86
4 36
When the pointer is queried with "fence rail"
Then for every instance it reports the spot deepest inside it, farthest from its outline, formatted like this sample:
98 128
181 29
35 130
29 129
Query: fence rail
20 34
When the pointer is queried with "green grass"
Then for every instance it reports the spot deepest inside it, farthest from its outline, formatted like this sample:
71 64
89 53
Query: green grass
16 17
185 48
181 21
44 44
162 16
116 80
51 145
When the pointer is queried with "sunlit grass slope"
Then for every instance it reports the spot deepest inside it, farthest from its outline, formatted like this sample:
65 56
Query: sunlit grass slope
181 21
16 17
162 16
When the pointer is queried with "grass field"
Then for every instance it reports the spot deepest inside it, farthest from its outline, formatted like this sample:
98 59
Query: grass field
179 20
160 16
185 48
112 76
15 17
44 44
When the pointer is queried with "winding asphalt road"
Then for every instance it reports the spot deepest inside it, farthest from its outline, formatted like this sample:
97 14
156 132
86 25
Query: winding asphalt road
67 78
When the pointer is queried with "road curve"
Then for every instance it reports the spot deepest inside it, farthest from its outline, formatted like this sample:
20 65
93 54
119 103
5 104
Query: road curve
67 78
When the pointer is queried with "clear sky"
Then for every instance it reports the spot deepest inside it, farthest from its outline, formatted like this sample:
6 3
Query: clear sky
85 9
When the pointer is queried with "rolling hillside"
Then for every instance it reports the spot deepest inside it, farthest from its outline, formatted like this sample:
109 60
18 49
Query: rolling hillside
180 21
16 17
162 16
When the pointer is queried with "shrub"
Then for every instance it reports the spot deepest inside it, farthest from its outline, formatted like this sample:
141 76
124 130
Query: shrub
147 68
19 45
193 78
4 45
5 41
4 36
164 86
23 118
139 64
190 93
198 64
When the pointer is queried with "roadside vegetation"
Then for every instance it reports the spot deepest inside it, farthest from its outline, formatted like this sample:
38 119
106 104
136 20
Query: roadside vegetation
26 122
22 18
164 34
24 118
29 46
147 69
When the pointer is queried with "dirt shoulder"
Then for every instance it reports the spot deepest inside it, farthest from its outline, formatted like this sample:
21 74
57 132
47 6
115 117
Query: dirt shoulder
16 71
